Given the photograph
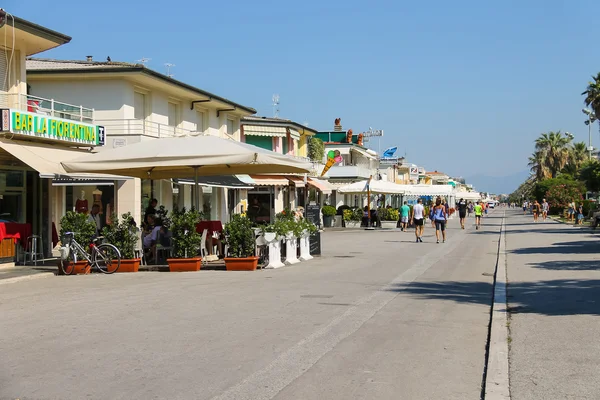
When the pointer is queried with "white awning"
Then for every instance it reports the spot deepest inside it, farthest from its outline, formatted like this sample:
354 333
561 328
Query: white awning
225 181
44 158
294 134
259 130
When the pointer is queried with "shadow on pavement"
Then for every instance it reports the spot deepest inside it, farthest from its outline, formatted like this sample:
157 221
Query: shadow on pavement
562 248
588 265
551 297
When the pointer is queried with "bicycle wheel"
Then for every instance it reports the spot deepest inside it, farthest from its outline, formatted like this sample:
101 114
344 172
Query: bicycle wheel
68 265
106 258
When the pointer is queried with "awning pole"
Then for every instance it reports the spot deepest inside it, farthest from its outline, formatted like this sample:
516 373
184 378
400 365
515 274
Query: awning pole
196 190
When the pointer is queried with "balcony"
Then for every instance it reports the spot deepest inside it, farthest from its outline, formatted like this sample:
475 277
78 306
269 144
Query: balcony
48 107
350 171
138 127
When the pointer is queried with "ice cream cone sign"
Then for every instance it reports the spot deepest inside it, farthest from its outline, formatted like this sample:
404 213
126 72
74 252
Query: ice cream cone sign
333 157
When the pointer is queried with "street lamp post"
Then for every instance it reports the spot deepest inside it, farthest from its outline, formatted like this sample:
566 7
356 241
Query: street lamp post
591 118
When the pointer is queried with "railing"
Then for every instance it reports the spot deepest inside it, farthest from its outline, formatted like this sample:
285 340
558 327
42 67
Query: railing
50 107
350 171
138 127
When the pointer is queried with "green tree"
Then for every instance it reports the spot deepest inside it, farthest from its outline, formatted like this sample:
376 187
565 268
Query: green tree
554 151
592 94
316 150
542 187
590 175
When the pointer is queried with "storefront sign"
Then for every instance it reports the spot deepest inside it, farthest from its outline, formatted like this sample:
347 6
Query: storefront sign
47 127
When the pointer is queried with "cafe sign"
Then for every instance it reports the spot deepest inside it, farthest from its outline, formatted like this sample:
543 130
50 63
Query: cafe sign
46 127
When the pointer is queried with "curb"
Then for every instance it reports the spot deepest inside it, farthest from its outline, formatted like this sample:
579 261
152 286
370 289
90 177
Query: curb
26 278
497 378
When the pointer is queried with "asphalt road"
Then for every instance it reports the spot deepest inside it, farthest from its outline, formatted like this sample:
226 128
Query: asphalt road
377 317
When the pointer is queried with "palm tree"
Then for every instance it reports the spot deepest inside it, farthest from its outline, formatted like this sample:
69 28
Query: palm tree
592 94
578 155
554 151
537 164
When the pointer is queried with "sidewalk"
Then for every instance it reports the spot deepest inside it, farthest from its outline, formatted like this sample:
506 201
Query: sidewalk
554 302
19 273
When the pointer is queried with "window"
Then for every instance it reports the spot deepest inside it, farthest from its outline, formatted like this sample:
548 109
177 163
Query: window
139 105
200 121
173 114
230 127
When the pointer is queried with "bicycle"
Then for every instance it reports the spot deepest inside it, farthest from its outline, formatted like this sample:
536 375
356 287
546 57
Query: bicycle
104 257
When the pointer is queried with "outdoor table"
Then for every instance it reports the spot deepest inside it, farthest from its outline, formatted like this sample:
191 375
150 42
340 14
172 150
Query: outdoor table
22 231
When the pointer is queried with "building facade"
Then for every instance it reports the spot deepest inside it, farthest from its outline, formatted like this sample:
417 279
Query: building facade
134 104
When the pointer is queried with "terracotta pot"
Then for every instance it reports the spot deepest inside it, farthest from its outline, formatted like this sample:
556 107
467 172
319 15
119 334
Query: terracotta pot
241 264
132 265
184 264
81 268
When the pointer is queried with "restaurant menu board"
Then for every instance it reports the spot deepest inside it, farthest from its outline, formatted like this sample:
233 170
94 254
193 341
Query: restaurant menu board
313 214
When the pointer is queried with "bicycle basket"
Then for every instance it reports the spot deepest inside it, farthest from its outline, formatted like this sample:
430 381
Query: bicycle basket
64 252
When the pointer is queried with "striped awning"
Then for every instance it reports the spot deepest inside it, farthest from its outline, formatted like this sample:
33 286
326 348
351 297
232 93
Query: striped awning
270 180
259 130
297 180
294 134
322 185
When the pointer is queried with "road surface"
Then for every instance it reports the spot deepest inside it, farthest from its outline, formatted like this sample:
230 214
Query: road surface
377 317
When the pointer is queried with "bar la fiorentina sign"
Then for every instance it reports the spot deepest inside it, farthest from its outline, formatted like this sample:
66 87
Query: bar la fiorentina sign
47 127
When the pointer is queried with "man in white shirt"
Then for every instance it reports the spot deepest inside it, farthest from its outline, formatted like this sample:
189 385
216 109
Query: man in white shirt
418 215
545 208
95 218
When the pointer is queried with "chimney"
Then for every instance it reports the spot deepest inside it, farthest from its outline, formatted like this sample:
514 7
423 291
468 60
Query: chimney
89 58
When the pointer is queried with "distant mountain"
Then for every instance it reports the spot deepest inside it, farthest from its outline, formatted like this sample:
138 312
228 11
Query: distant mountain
498 184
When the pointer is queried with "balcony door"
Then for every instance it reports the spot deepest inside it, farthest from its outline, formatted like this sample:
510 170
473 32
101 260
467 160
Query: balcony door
140 112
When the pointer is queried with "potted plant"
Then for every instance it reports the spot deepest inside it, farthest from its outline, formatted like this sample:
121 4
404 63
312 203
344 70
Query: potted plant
353 217
241 241
124 235
293 232
328 214
273 234
186 241
308 229
84 231
388 217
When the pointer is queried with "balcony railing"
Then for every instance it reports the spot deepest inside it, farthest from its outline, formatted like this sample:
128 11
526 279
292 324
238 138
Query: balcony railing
350 171
138 127
49 107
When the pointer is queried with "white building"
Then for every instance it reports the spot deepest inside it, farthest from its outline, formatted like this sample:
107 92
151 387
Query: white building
135 103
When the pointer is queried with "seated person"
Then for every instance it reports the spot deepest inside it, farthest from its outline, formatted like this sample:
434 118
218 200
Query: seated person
151 236
216 239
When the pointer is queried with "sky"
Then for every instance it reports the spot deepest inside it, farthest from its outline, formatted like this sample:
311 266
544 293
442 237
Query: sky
460 87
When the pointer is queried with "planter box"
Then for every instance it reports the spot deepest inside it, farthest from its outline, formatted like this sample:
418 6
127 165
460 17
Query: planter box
353 224
132 265
389 224
184 264
241 264
328 221
81 268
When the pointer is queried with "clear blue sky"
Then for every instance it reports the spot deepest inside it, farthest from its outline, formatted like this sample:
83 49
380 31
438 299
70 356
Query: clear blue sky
463 87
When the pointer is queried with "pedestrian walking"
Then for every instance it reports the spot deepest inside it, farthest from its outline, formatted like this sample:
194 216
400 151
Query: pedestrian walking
524 207
536 210
404 211
545 209
580 214
478 215
462 212
571 212
440 218
471 207
418 219
431 207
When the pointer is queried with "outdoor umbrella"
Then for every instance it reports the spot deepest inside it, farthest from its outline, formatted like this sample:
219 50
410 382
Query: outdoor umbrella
186 157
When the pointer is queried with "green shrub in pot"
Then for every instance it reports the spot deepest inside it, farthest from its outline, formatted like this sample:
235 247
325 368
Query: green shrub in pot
240 237
186 241
122 234
80 225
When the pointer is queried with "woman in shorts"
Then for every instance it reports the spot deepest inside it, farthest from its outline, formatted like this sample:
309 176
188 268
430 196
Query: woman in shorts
571 212
440 217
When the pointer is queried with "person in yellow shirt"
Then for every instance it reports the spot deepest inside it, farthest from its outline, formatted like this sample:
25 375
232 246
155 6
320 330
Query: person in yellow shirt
478 214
